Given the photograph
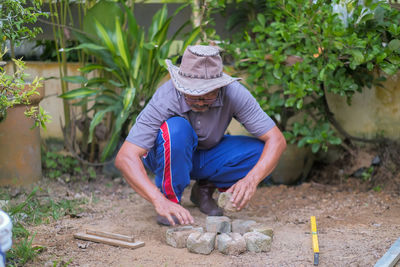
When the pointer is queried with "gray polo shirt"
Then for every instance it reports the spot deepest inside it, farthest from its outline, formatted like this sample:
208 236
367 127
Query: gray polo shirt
234 101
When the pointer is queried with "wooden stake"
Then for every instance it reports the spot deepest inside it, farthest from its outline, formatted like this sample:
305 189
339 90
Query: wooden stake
110 235
109 241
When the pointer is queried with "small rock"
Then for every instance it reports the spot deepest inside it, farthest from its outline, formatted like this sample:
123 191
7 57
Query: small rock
218 224
20 216
257 242
262 229
39 248
376 161
80 196
118 180
60 180
201 243
231 244
14 192
3 203
77 215
177 237
242 226
66 178
224 201
83 245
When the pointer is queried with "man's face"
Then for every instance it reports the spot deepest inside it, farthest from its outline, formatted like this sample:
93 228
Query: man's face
202 103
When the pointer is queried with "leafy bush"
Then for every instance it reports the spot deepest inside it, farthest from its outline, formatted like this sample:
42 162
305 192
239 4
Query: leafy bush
55 165
344 46
14 19
12 92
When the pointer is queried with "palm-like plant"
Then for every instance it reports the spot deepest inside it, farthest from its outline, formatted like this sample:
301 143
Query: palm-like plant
129 65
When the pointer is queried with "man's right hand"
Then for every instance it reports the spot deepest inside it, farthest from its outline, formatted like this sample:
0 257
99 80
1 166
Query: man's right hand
167 209
129 162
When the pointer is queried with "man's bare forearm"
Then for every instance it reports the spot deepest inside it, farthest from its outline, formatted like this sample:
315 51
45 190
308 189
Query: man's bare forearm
243 190
129 162
274 146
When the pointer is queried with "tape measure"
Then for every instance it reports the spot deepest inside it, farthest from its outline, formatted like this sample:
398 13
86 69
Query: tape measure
315 240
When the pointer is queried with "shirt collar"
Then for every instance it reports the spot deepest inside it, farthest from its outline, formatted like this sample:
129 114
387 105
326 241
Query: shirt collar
186 108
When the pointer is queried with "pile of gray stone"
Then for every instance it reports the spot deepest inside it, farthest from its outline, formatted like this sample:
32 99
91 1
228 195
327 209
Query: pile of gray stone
230 237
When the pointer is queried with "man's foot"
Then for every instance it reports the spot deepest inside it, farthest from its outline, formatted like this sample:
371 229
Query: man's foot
201 196
164 221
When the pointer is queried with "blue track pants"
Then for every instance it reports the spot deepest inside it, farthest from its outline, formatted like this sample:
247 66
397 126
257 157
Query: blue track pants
175 160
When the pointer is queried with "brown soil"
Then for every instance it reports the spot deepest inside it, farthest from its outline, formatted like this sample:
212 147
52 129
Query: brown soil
356 226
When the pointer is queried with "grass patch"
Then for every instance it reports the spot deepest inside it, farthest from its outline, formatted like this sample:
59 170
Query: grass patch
22 252
378 188
33 210
61 263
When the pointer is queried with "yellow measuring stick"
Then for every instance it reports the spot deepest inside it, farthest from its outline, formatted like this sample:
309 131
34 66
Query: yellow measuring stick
314 240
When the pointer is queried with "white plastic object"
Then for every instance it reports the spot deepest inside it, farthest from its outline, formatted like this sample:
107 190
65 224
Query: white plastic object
5 236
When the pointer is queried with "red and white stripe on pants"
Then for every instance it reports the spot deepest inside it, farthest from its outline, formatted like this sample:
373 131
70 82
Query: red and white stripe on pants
167 176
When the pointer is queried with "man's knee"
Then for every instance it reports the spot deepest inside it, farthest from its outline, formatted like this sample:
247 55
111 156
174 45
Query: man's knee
180 130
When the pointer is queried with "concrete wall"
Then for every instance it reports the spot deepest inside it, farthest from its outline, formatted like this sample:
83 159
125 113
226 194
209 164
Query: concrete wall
143 14
373 112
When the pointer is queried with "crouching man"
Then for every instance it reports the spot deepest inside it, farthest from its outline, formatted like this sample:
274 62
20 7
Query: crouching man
179 136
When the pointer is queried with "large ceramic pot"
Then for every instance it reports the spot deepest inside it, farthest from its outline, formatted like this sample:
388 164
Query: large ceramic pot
294 165
20 158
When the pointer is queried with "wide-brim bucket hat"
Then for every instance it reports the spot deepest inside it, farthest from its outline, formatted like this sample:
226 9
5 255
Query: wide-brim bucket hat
200 71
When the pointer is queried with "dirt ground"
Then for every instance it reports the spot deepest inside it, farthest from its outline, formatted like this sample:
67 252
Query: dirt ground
355 227
358 219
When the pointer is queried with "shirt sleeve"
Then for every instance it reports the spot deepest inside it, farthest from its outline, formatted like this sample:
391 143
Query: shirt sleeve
144 132
247 110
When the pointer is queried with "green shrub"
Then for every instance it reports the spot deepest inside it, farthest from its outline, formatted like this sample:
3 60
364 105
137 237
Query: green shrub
14 19
342 53
15 16
56 164
33 210
12 92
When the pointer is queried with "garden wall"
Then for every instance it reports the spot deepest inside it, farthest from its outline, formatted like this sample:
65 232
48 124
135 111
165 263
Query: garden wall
374 112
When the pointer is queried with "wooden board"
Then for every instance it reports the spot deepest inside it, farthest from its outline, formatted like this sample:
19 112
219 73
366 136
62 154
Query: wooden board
110 235
109 241
391 256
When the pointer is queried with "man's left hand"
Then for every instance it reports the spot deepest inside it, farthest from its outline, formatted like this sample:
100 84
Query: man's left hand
242 191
